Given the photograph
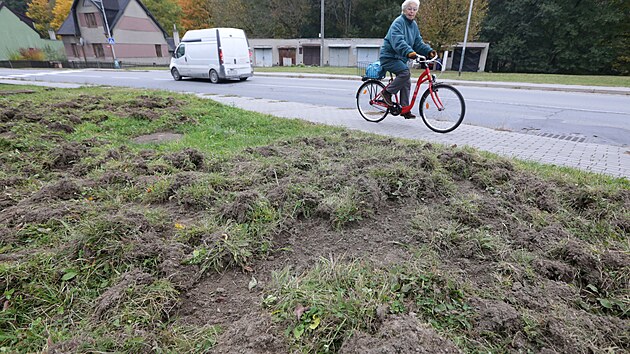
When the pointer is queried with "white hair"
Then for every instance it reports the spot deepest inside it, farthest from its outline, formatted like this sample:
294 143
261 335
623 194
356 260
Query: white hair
407 3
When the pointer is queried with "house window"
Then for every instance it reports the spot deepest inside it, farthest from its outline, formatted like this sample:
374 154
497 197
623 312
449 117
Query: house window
98 50
158 50
75 50
90 20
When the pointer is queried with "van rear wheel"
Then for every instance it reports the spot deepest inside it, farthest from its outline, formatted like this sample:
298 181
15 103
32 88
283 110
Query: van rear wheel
214 77
176 74
243 78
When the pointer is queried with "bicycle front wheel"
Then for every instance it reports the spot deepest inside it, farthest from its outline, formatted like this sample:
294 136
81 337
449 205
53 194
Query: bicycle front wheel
443 111
369 101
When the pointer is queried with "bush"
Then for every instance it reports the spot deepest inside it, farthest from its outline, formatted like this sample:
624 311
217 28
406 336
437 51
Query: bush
52 53
31 54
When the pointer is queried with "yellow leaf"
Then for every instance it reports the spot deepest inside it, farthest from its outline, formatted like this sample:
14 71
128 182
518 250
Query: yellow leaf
180 226
315 322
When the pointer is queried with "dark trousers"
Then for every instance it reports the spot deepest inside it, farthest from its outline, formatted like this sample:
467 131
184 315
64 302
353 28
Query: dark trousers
402 84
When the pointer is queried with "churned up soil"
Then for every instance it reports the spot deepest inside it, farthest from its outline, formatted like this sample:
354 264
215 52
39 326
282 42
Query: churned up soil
345 243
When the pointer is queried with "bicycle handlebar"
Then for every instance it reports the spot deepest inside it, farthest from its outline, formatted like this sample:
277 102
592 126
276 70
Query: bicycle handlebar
423 59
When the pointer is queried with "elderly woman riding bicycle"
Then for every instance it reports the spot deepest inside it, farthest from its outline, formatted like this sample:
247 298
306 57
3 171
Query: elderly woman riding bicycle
402 42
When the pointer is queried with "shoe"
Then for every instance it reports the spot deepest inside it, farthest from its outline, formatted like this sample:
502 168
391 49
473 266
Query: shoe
409 115
387 97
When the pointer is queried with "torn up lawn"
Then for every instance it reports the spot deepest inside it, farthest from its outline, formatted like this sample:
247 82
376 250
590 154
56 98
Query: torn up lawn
245 233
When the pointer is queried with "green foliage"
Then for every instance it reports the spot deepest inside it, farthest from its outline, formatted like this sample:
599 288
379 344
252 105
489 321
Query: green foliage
19 6
443 23
40 11
556 36
51 53
168 13
344 208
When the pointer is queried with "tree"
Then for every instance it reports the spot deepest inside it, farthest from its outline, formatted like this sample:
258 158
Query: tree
195 14
556 36
443 23
40 12
373 17
288 17
343 16
18 6
620 40
229 13
60 12
166 12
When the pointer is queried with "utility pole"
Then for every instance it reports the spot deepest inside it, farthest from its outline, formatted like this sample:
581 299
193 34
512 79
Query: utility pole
99 5
321 30
461 58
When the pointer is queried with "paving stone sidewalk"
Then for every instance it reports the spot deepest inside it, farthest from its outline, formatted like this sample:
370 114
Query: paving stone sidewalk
599 158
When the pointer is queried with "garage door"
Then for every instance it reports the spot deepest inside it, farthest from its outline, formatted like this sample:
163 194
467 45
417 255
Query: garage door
262 57
367 54
311 55
339 56
287 56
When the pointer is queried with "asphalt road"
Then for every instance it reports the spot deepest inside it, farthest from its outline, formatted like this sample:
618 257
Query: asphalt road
590 117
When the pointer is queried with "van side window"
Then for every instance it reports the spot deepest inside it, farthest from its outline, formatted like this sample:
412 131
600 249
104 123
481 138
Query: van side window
180 51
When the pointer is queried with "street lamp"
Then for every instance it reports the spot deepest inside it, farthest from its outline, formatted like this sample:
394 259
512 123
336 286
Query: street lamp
461 59
99 5
321 50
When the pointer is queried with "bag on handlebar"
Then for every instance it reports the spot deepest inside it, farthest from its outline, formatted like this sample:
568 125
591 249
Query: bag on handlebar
374 71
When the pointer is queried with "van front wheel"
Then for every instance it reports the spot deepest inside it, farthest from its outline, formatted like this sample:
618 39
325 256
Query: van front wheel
176 74
214 77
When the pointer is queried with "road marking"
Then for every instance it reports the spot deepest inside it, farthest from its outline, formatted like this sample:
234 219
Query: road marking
301 87
47 73
82 75
126 77
548 107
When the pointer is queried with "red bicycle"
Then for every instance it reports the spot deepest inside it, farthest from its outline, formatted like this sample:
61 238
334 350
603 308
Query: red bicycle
441 106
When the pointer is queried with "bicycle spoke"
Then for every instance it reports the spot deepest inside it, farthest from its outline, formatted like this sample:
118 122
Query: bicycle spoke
443 110
369 102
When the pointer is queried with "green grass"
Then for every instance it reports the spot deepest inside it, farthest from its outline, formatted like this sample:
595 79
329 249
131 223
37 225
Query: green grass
585 80
339 297
98 265
582 80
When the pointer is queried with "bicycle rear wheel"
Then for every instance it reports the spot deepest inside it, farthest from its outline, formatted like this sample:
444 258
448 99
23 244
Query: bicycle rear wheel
453 108
370 103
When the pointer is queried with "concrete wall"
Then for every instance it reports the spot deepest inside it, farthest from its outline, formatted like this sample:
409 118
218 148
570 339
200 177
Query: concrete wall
350 45
335 50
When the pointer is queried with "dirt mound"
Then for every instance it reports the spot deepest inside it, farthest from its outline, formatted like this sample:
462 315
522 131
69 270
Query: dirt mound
399 334
251 334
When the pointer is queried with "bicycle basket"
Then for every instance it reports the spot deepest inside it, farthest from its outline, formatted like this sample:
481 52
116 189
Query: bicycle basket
374 71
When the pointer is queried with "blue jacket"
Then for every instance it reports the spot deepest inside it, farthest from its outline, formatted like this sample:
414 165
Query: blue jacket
402 38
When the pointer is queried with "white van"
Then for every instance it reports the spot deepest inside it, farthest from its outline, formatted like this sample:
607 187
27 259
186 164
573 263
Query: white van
214 53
